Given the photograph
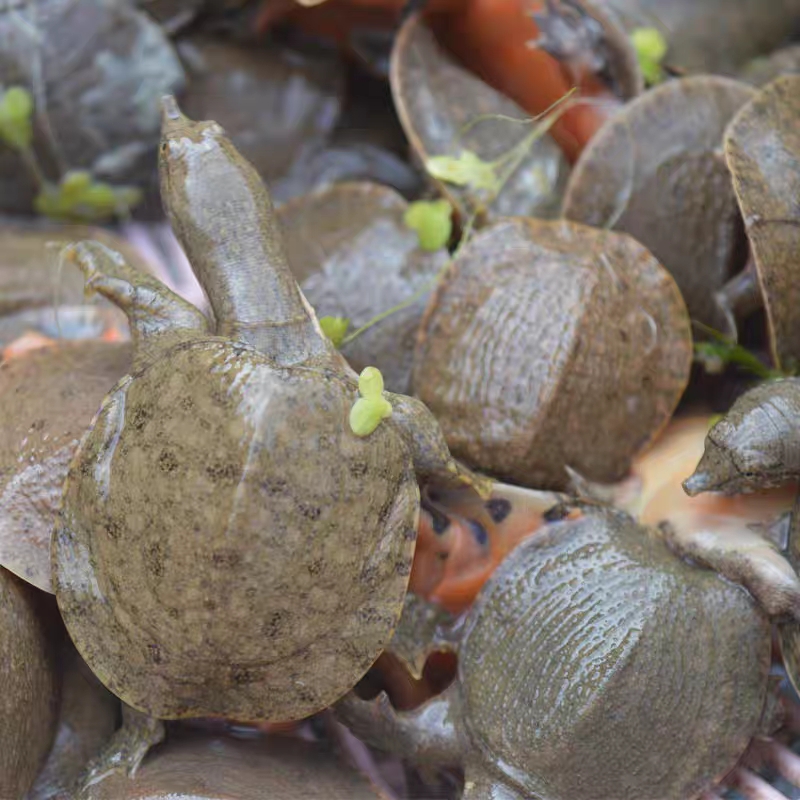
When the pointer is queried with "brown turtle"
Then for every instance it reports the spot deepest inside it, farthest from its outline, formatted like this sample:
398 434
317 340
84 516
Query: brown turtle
550 345
596 664
656 172
228 545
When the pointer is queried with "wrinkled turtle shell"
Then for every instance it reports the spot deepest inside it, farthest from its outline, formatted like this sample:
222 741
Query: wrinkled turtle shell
174 613
29 697
537 332
597 664
656 171
47 400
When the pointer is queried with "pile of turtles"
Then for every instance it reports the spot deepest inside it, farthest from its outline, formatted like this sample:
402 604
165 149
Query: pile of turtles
472 472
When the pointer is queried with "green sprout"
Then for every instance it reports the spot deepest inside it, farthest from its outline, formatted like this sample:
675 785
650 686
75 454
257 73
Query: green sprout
715 355
467 169
80 198
16 113
651 47
335 329
372 407
432 221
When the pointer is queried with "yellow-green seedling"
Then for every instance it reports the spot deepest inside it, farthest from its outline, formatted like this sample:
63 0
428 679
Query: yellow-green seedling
335 328
651 47
372 407
466 169
80 198
717 354
16 114
432 221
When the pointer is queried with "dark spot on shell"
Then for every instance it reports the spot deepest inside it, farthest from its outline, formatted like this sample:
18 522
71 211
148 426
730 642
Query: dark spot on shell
139 417
154 558
167 461
154 653
222 472
242 674
273 624
499 508
315 567
112 528
309 512
410 534
226 558
358 469
403 567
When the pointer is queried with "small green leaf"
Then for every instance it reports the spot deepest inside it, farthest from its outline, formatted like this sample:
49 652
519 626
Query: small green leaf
79 198
716 355
367 413
335 328
16 112
467 170
651 47
370 382
432 221
372 407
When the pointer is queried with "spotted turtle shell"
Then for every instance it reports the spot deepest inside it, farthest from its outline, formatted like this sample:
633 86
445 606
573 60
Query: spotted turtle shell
598 665
228 546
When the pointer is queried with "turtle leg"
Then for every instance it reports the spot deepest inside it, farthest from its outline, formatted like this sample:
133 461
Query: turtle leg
425 735
744 557
158 317
431 456
740 296
125 750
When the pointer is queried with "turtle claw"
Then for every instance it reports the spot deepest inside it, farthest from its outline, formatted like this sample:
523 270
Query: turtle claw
125 750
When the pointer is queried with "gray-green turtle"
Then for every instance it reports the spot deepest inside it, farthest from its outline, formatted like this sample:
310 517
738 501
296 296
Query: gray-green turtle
596 664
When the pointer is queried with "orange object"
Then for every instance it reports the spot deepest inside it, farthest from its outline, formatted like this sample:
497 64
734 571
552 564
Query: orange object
24 344
462 540
492 38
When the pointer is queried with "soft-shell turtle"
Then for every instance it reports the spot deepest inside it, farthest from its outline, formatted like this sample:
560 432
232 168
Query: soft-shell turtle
656 171
756 445
537 331
595 664
229 546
